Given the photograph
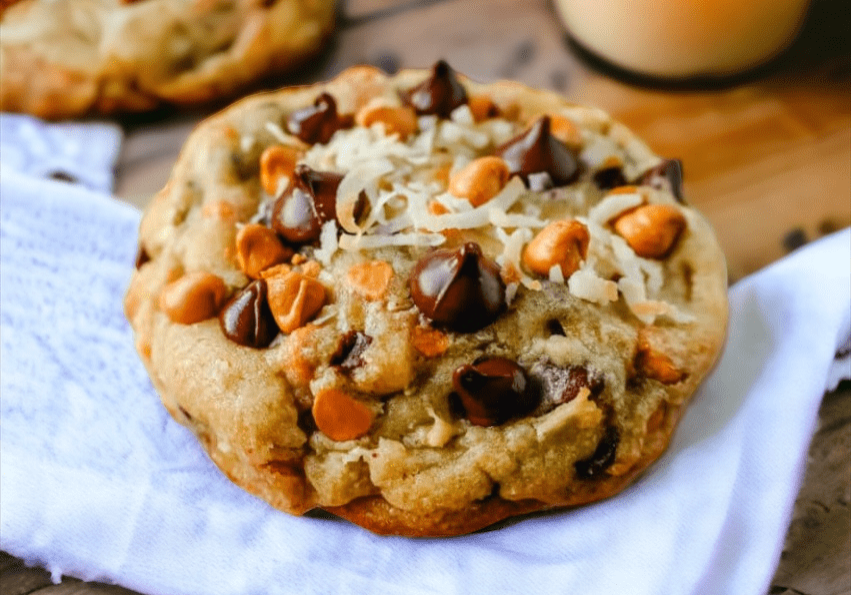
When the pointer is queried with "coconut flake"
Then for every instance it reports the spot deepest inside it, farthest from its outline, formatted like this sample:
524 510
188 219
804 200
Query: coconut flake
364 242
327 242
612 206
556 274
597 150
279 134
361 179
586 285
440 432
462 115
328 312
500 218
246 142
511 292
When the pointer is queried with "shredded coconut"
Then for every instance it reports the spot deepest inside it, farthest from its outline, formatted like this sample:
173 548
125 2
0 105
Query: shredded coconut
612 206
586 285
408 205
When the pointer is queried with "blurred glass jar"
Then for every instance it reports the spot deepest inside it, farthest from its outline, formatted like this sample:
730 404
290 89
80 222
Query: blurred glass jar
684 38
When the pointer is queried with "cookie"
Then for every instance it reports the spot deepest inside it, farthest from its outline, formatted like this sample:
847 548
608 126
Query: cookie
425 304
66 58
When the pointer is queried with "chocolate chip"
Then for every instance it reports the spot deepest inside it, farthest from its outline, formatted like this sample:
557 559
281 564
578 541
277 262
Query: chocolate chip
309 201
459 289
536 150
608 178
493 390
185 413
439 94
349 353
319 122
603 456
142 256
554 327
305 422
246 319
561 384
668 175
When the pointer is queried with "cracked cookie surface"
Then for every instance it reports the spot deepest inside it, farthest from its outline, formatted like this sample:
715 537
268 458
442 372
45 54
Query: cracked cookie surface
425 304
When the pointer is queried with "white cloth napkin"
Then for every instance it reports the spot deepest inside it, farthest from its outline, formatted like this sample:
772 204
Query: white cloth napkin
98 482
81 152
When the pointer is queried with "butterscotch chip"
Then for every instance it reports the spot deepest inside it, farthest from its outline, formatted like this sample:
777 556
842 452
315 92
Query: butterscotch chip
219 209
562 244
294 299
259 248
651 230
451 352
480 180
339 416
193 297
277 164
428 341
370 279
401 121
482 108
655 364
565 130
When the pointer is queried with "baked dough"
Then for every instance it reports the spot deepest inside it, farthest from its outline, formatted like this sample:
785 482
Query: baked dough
352 317
66 58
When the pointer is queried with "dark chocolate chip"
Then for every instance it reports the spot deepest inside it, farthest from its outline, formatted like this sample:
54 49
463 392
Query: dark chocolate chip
349 353
246 319
309 201
554 327
439 94
668 176
319 122
603 456
493 390
305 422
142 256
561 384
608 178
536 150
458 289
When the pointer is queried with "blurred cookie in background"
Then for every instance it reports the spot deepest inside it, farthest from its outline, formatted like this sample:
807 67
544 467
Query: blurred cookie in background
67 58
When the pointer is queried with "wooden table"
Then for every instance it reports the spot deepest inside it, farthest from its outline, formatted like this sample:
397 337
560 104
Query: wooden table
767 159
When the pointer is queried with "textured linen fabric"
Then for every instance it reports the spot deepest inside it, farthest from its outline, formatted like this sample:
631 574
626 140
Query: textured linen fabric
98 482
84 152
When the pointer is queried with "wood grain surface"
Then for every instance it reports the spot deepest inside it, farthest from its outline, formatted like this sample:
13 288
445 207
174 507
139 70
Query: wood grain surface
767 158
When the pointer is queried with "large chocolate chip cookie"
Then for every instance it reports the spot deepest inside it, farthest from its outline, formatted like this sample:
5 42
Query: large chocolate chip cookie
425 304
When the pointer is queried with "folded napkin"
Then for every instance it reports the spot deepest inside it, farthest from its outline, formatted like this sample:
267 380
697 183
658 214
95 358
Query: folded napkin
98 482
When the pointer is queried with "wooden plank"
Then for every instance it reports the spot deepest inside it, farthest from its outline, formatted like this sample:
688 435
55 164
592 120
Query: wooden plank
816 557
23 580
